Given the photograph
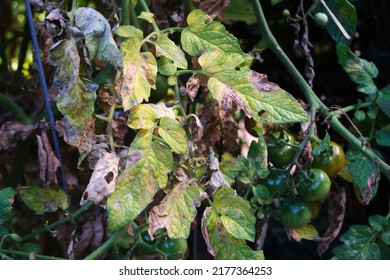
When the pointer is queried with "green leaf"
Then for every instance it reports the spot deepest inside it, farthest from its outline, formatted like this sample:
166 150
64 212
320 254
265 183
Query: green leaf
3 230
322 145
146 172
204 34
76 98
98 37
149 17
145 116
385 236
134 34
166 66
177 210
173 134
378 222
239 10
247 173
230 170
308 232
232 82
384 100
257 157
6 201
357 234
346 14
221 244
383 136
261 191
43 200
359 70
165 47
30 247
236 214
363 170
139 74
274 2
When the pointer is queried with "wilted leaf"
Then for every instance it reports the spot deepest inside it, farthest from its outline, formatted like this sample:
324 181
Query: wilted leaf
204 34
235 85
211 7
173 134
6 201
77 95
365 174
308 232
98 37
195 127
12 132
177 210
145 116
359 70
48 162
345 13
102 182
192 87
239 10
82 138
41 200
235 213
167 48
217 179
336 212
223 245
146 171
139 72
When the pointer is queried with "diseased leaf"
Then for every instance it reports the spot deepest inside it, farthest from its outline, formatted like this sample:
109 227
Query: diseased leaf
173 134
230 170
359 70
77 95
236 214
98 37
235 85
345 13
217 179
239 10
102 181
365 174
139 71
41 200
6 201
167 48
223 245
177 210
204 34
145 116
146 171
48 162
12 132
308 232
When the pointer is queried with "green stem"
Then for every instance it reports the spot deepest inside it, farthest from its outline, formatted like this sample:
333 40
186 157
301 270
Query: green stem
16 111
190 71
27 255
172 29
59 222
312 98
179 103
110 132
126 11
104 247
146 9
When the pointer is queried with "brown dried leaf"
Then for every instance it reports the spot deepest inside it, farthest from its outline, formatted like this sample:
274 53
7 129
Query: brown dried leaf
81 243
102 182
12 132
195 127
192 87
211 7
229 129
337 200
120 128
48 162
205 233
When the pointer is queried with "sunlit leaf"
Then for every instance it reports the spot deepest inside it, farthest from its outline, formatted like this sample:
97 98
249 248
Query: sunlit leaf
257 157
145 116
166 66
177 210
146 172
173 134
167 48
43 200
149 17
98 37
204 34
77 95
308 232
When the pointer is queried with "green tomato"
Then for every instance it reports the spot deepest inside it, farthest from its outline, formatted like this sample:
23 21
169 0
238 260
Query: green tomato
281 154
147 245
277 182
332 161
173 249
295 215
318 188
161 89
321 19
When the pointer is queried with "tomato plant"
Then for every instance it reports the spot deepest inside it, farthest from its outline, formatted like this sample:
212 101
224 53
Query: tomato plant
316 187
332 160
280 149
295 214
173 249
277 182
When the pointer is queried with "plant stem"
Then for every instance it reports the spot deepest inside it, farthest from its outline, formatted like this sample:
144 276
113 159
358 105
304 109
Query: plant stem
104 247
57 223
312 98
126 11
16 111
27 255
146 9
190 71
179 103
